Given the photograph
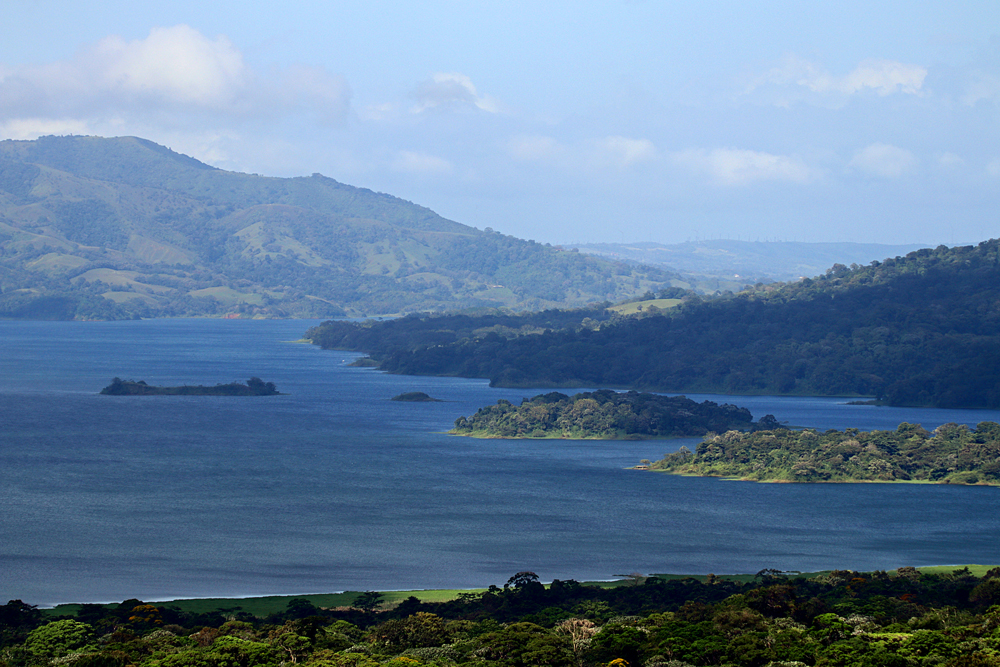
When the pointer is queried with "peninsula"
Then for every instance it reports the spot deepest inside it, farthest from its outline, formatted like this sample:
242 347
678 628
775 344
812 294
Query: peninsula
951 454
253 387
607 414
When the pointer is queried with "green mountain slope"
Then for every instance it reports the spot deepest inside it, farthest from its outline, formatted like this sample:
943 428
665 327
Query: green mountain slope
105 228
923 329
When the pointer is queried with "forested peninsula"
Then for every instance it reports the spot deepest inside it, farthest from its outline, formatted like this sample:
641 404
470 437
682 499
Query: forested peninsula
951 454
253 387
606 414
919 330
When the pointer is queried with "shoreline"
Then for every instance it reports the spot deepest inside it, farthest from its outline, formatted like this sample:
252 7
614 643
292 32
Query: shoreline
275 603
774 480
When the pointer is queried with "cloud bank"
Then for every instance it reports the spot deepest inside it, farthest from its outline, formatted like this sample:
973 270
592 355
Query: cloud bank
730 166
175 74
798 80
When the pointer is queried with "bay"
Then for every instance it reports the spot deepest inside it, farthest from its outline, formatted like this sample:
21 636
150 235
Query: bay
332 486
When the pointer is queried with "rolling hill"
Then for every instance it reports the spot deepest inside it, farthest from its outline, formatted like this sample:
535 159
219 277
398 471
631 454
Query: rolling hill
107 228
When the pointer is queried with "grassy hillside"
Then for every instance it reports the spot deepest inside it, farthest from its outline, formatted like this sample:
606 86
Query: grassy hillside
107 228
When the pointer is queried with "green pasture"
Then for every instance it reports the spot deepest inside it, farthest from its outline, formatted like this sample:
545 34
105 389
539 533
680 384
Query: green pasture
640 306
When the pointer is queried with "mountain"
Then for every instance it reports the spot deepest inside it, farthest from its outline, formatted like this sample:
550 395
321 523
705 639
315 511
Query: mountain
103 228
734 264
922 329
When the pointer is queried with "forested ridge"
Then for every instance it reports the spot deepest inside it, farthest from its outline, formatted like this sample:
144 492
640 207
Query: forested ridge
951 454
921 330
606 414
904 618
111 228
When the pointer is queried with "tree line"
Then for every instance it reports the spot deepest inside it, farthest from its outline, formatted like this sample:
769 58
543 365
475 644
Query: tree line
904 618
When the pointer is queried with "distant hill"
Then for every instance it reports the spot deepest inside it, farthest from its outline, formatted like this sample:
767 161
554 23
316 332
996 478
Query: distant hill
737 263
923 329
103 228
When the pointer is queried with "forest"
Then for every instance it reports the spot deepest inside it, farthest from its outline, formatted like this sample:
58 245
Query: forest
607 414
933 617
951 454
919 330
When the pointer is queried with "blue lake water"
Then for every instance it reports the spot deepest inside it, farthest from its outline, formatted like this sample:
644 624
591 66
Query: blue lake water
333 486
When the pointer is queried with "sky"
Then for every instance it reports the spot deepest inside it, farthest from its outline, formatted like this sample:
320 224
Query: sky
562 122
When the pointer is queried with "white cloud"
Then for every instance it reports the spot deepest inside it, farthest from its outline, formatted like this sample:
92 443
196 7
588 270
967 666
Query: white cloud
729 166
178 64
451 89
421 163
175 74
625 152
884 77
797 79
883 160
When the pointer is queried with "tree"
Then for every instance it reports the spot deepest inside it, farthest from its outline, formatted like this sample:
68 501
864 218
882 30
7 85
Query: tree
58 638
522 579
368 601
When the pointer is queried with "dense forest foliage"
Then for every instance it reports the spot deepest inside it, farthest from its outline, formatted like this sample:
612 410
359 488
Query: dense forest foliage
906 618
424 331
606 414
95 228
952 454
921 330
253 387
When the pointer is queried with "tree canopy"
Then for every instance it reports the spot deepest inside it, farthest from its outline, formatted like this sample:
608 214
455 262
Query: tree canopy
952 454
606 414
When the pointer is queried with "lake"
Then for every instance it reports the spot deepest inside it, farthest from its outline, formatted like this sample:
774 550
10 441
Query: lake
332 486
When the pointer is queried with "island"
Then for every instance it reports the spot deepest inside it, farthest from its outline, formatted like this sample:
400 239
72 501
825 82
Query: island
253 387
606 414
415 397
951 454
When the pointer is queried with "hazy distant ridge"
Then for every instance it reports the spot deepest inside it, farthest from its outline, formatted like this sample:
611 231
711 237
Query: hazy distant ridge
749 260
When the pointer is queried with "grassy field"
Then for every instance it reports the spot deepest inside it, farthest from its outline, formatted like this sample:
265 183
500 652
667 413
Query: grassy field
263 606
639 306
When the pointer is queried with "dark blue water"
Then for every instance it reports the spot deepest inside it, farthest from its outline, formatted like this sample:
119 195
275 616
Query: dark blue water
334 487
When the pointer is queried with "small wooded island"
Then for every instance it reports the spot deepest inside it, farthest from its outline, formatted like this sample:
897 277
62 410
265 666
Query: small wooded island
952 454
253 387
415 397
607 414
